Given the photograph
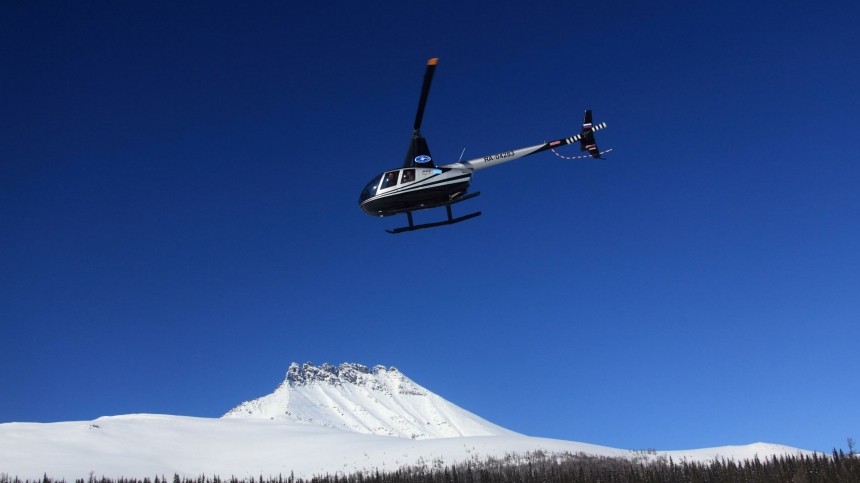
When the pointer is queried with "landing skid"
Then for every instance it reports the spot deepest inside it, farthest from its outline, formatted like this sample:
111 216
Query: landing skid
450 221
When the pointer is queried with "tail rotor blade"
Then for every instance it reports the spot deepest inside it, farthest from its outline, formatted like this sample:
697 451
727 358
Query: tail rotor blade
425 91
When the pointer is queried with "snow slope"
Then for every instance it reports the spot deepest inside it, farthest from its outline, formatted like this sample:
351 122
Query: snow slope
320 420
146 445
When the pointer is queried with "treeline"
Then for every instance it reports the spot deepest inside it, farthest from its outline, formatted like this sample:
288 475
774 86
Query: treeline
542 467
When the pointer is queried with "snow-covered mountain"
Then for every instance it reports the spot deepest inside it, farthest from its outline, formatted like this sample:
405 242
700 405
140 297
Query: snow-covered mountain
321 420
353 397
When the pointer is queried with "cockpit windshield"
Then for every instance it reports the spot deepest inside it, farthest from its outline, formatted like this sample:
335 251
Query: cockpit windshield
369 190
388 179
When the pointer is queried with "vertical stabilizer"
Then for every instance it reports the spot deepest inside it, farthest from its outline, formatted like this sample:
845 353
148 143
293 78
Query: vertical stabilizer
586 140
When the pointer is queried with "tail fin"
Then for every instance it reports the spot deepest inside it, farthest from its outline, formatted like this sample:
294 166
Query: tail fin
586 140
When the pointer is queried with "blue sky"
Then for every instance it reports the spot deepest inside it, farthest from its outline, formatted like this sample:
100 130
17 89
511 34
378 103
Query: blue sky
179 218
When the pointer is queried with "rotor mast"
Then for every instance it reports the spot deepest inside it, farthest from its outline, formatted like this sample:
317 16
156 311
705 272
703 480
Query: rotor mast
418 153
425 92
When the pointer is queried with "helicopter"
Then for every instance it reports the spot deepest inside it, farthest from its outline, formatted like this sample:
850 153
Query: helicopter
419 184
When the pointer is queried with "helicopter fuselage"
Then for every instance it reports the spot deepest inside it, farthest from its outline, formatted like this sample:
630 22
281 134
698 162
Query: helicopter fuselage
410 189
421 184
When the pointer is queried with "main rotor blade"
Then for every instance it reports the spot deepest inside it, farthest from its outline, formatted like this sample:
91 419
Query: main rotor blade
425 91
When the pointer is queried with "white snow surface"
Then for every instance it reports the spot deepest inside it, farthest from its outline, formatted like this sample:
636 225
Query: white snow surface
323 420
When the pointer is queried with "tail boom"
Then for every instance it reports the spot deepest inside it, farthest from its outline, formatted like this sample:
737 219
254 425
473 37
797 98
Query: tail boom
585 138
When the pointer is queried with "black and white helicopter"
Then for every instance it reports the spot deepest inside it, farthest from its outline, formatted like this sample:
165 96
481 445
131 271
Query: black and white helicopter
420 184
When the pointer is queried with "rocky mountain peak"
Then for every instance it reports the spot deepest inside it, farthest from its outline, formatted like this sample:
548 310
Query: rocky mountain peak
378 400
345 373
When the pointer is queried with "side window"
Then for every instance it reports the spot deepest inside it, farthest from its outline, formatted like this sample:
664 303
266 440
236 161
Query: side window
408 175
390 179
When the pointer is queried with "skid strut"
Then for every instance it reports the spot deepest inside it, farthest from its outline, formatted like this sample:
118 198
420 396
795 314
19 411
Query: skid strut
450 221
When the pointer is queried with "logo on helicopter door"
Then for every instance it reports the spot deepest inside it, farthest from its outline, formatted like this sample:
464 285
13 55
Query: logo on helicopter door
422 159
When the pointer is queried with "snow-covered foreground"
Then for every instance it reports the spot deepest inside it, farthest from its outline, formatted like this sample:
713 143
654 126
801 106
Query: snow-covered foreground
146 445
319 420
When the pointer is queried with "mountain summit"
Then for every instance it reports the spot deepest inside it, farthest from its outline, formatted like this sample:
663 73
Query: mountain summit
355 398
